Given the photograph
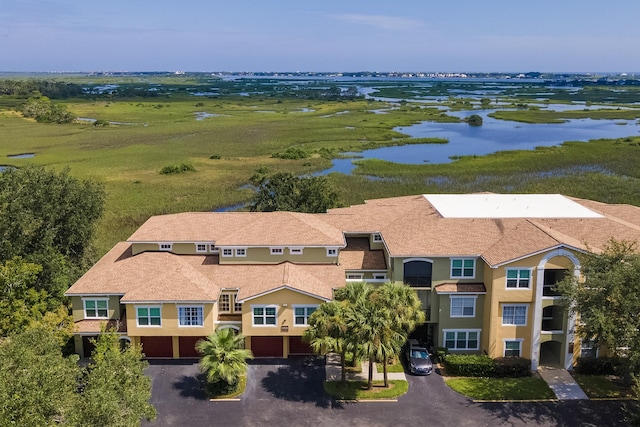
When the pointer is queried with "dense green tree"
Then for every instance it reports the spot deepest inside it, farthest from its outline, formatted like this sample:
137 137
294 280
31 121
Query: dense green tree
287 192
37 384
48 218
327 332
44 111
115 391
474 120
224 358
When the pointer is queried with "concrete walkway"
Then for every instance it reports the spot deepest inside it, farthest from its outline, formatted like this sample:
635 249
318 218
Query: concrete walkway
334 371
562 383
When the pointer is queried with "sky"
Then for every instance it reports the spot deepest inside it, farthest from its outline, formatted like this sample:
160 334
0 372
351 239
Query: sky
329 35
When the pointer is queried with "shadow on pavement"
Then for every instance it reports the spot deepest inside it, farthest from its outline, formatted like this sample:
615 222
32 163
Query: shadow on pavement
191 386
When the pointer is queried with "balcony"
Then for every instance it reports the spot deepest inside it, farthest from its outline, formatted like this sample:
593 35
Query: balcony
551 278
553 319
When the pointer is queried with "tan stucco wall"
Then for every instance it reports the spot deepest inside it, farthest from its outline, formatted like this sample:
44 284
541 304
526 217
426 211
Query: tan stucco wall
77 306
284 300
170 325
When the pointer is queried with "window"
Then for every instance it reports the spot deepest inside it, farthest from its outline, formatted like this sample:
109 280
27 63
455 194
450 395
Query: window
96 309
165 246
226 302
514 315
379 276
463 306
241 252
518 278
332 252
277 251
201 247
354 277
295 251
462 339
190 316
417 273
377 238
264 315
463 268
148 316
302 313
227 252
212 248
512 348
588 349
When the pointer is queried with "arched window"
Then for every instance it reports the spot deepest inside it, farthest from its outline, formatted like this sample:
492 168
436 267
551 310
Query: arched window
417 273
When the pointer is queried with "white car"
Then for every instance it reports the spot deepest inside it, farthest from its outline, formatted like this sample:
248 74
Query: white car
418 359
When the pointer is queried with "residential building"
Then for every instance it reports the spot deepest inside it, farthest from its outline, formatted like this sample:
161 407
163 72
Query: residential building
483 265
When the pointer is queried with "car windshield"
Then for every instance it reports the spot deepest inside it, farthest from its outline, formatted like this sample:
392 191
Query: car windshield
419 354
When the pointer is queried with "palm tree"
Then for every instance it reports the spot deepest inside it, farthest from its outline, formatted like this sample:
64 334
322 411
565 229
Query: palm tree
224 357
327 331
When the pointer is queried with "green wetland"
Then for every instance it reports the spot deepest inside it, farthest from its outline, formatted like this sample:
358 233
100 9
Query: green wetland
162 143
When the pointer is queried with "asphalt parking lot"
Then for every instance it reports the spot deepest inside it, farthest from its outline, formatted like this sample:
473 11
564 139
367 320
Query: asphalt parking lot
289 392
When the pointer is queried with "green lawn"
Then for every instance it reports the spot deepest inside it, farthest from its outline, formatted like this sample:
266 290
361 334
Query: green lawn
502 388
394 367
357 390
603 387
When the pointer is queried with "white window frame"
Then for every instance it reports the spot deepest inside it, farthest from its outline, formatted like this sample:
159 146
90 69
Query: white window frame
463 268
508 340
306 314
227 252
95 300
165 246
241 252
295 251
379 276
199 249
182 317
452 298
279 250
148 307
377 237
264 316
354 277
455 338
518 278
212 247
515 306
332 252
589 345
233 303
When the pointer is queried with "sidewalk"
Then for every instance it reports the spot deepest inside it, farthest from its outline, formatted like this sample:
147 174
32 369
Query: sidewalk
562 383
334 371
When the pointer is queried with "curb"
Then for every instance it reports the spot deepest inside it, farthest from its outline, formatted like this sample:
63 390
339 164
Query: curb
367 400
225 400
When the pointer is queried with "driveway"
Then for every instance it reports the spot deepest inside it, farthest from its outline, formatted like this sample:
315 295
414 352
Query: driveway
288 391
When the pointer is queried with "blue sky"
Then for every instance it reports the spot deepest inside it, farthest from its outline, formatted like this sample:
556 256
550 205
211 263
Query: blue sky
331 35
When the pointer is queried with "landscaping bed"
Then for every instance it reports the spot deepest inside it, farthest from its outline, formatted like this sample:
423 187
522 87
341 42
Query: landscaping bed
357 390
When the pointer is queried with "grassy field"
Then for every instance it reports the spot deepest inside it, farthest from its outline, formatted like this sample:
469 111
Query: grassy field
246 133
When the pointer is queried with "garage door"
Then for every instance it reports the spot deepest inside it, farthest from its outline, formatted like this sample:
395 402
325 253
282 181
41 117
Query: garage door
298 346
188 346
87 345
157 346
266 346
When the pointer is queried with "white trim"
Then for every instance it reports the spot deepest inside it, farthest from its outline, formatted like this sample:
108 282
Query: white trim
264 315
296 250
376 237
276 250
462 268
283 288
559 251
98 317
406 260
518 269
165 246
201 307
201 250
457 297
226 252
330 250
526 314
504 345
532 254
444 338
357 277
148 307
240 252
237 328
227 322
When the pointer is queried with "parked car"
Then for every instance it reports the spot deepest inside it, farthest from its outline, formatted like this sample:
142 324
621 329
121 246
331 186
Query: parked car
418 358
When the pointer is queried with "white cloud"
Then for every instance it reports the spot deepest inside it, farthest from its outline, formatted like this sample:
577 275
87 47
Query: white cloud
384 22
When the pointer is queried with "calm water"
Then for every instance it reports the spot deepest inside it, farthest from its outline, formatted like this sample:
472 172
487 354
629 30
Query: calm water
494 135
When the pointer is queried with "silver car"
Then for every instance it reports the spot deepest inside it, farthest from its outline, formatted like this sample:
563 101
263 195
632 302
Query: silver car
418 359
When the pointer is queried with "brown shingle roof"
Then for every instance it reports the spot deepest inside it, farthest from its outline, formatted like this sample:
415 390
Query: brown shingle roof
358 256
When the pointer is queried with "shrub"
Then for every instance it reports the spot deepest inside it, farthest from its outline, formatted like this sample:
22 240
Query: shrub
215 157
441 353
291 153
597 366
512 367
181 168
469 365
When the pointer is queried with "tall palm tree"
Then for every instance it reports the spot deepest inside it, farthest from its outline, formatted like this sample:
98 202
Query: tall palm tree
224 357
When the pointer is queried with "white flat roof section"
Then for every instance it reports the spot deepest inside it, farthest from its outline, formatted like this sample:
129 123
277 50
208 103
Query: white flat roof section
508 206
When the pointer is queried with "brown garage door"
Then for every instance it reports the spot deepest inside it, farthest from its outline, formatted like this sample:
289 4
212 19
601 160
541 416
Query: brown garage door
157 346
266 346
298 346
188 346
87 345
